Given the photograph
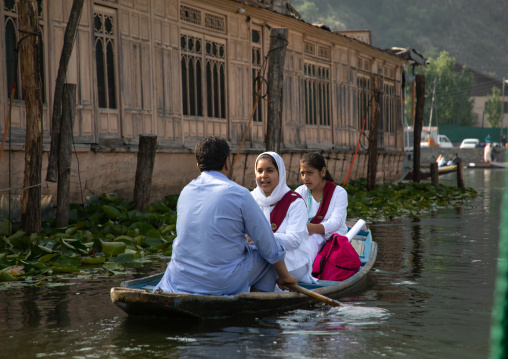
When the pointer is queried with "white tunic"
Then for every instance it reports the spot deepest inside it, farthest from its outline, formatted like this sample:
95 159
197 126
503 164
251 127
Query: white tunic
293 229
334 221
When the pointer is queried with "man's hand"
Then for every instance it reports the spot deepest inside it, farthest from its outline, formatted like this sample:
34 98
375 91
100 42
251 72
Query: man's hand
286 281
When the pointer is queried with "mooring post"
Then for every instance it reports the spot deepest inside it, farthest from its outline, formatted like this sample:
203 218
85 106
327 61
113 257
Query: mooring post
144 170
420 105
460 175
434 174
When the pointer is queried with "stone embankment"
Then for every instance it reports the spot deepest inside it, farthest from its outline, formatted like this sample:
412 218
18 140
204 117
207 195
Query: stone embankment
467 155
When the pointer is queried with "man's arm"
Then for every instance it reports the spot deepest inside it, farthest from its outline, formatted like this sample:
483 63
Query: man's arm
285 278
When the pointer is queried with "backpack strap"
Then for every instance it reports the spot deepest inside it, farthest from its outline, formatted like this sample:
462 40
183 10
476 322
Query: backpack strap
281 209
325 202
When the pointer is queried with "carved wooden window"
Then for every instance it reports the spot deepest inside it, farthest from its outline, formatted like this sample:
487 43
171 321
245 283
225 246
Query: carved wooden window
309 48
203 67
363 100
215 55
391 108
317 94
190 15
11 27
257 63
104 29
191 62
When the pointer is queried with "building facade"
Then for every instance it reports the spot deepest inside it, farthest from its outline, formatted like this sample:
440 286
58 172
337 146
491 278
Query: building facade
182 70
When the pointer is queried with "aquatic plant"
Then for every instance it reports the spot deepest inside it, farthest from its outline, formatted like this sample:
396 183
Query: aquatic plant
108 236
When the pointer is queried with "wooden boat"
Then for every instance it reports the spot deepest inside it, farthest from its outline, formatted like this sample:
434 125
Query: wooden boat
426 174
136 297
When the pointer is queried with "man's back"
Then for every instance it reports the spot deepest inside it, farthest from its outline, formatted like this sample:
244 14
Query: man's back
211 252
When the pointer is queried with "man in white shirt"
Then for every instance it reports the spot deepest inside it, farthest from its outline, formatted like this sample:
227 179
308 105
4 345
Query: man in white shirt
211 254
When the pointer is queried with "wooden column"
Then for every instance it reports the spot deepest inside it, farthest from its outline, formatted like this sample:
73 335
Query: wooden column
276 59
65 155
68 44
460 175
420 103
434 174
144 170
32 92
373 135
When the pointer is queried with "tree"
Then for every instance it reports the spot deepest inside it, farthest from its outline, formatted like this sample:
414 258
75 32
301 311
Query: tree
493 108
452 104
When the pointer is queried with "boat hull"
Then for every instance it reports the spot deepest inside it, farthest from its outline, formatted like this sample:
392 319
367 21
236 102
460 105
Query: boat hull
137 298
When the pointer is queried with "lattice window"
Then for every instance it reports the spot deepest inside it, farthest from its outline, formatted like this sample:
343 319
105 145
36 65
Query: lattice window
104 30
324 52
391 107
198 60
363 102
11 28
215 22
215 79
309 48
257 63
191 63
190 15
366 65
317 94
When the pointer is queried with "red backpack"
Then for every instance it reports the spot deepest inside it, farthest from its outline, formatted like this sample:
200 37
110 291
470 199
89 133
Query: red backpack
337 260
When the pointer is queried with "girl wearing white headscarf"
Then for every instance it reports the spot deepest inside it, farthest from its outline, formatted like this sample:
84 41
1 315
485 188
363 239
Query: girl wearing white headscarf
271 188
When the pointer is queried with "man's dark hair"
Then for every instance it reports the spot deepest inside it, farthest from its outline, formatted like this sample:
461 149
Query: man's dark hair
211 153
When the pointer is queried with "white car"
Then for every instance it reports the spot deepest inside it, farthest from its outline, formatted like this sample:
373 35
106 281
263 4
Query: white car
469 143
444 142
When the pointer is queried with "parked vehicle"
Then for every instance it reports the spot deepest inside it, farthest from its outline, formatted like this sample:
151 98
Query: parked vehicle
444 141
470 143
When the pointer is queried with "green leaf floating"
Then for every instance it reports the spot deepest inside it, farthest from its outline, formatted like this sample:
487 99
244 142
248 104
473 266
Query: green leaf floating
111 249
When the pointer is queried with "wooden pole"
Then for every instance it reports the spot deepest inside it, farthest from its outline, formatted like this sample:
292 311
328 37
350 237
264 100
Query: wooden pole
460 175
413 103
373 135
32 90
434 174
65 155
69 36
275 84
144 170
420 103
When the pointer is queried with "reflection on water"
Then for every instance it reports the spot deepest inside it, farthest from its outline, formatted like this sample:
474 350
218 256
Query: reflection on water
430 296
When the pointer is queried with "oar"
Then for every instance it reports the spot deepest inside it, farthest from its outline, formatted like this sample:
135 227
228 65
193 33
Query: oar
315 295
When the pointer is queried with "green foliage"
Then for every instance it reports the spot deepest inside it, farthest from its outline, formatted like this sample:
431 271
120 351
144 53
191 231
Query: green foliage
493 108
404 199
452 95
474 32
105 236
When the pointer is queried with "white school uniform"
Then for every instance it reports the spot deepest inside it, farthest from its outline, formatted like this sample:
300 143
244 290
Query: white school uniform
334 220
293 229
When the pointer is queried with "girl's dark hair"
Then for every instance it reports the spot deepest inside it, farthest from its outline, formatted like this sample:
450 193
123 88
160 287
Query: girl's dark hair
267 156
317 161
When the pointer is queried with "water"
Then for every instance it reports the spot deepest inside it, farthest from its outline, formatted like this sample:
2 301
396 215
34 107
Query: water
430 296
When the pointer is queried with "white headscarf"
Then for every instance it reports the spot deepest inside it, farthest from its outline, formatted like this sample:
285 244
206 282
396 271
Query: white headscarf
263 201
